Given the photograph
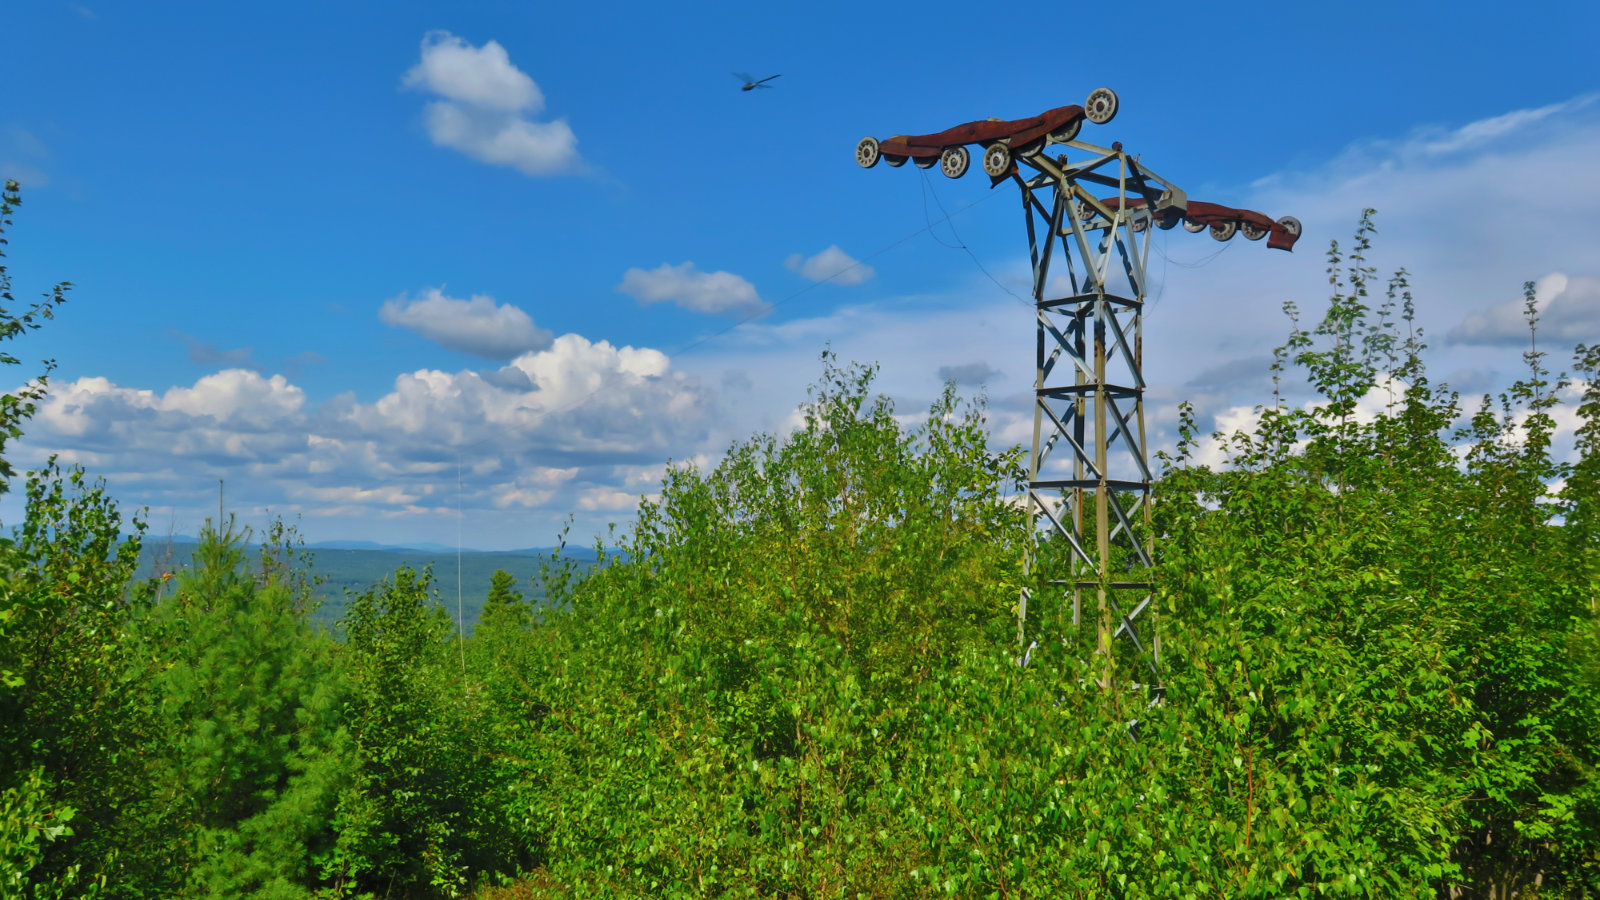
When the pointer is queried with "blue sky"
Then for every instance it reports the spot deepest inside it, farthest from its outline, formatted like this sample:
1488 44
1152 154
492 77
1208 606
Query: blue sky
329 251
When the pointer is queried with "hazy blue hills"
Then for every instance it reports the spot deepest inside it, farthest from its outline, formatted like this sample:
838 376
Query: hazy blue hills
353 566
420 547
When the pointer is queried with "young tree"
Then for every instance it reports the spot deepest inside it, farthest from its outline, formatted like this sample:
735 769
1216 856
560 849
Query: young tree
426 810
504 606
253 754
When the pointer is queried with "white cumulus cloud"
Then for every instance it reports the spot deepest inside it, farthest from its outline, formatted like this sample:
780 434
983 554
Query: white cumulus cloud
833 265
1568 309
485 106
572 440
706 292
478 326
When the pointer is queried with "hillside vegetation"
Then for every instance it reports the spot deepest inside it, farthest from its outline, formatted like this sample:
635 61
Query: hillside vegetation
799 676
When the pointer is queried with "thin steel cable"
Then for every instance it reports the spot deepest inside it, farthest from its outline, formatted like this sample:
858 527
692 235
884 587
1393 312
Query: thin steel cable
1198 264
927 188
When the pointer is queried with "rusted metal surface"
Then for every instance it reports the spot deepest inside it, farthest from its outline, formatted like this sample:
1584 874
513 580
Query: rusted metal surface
1017 132
1021 136
1222 221
1281 234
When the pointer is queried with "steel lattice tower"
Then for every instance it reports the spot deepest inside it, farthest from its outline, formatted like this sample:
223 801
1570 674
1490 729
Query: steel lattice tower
1089 479
1088 472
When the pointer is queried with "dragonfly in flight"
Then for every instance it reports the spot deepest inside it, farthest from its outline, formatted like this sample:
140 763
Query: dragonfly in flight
751 82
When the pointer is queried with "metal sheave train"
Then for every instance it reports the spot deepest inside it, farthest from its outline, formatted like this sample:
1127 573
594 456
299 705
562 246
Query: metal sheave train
1004 142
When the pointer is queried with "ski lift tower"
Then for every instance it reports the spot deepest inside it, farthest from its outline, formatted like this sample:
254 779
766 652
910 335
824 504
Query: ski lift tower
1090 212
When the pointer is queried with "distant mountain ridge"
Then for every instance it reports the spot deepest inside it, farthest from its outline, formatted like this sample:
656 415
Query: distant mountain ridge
431 547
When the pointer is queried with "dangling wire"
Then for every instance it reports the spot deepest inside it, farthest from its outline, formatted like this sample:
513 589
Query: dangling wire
927 188
1200 263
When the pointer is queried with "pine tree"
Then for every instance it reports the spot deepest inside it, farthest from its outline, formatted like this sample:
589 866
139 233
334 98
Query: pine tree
505 605
252 756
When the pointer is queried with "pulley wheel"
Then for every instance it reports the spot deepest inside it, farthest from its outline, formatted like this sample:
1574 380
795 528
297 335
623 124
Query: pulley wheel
1067 132
1223 231
954 161
867 154
997 160
1101 107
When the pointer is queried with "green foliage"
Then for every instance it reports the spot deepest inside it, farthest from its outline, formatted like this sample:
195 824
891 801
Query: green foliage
504 605
16 408
729 703
254 755
1395 629
70 706
65 720
426 808
29 822
1379 671
1580 496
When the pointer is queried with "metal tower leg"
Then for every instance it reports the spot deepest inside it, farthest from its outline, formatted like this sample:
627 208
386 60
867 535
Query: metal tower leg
1091 503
